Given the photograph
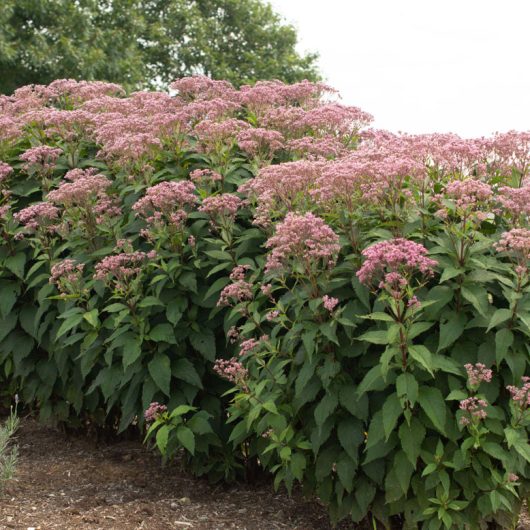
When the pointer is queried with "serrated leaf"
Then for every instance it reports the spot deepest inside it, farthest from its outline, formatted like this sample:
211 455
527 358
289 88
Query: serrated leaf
500 316
186 437
325 408
451 330
204 343
163 333
392 410
160 370
411 437
407 387
432 402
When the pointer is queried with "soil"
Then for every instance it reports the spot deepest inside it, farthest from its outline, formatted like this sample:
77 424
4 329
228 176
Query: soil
69 482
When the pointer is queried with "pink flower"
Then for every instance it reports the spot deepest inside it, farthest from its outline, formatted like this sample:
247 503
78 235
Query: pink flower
86 188
258 142
66 275
475 409
238 291
42 215
205 175
222 208
329 302
122 266
166 202
231 370
154 411
304 239
521 395
271 315
395 256
42 158
516 242
5 171
477 373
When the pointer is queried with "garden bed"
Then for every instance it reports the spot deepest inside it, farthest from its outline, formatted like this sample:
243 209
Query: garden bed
66 482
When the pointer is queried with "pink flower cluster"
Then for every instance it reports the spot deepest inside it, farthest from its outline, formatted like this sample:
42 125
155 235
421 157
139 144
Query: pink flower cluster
470 195
475 409
166 202
82 190
302 238
154 411
329 302
41 159
66 274
207 176
517 242
238 291
122 266
221 208
476 373
521 395
515 201
5 171
259 142
41 215
231 370
399 256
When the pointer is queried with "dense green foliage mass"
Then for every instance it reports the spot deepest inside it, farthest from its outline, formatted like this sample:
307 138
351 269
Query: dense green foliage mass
256 279
139 43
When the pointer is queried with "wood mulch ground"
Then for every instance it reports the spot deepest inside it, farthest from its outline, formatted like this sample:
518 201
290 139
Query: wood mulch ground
68 482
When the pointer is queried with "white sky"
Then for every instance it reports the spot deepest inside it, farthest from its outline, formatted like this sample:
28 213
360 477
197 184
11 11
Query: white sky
418 66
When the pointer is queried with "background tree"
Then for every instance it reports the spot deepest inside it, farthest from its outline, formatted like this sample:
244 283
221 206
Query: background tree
146 42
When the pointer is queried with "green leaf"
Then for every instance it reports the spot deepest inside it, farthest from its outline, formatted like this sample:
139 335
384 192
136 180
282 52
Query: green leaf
477 296
407 387
186 437
8 296
375 337
411 437
150 301
503 342
372 381
160 370
184 370
351 434
422 356
16 264
216 287
450 272
346 472
163 333
500 316
325 408
161 438
69 324
432 402
92 317
451 330
175 309
392 410
404 470
204 343
132 349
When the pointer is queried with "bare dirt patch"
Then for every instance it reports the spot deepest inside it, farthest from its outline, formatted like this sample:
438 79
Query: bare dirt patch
68 482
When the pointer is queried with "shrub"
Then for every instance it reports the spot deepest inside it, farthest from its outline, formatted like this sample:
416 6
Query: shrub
274 284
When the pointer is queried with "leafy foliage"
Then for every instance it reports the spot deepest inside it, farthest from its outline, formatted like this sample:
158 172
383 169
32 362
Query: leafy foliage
258 279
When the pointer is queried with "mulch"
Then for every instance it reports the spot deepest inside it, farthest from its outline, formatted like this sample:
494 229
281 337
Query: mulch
70 482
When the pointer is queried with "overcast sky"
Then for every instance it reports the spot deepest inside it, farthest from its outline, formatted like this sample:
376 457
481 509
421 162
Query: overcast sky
423 65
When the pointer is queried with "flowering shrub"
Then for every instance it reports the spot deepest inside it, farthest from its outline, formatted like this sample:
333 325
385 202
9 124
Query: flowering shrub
259 279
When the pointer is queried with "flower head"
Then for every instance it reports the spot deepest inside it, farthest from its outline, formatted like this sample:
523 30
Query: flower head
303 239
395 260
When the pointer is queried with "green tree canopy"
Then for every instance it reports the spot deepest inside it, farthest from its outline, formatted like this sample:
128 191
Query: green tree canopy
146 42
